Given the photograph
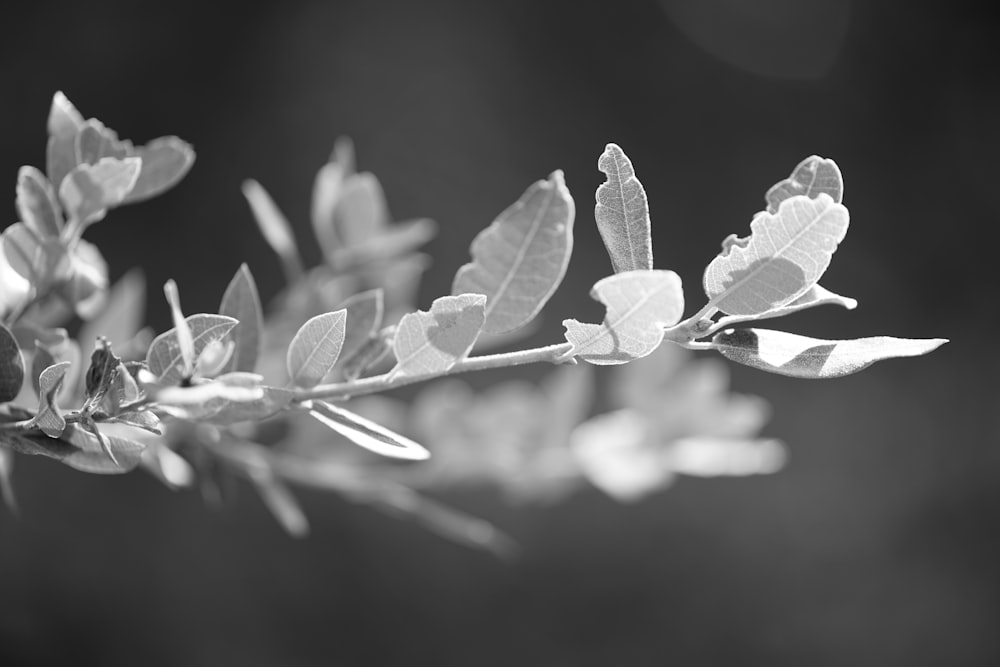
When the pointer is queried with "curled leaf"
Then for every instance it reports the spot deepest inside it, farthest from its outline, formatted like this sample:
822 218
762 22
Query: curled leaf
315 348
812 176
800 356
520 259
367 433
639 305
784 256
431 342
49 418
622 213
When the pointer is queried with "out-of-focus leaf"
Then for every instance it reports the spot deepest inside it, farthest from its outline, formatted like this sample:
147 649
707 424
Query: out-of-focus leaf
326 192
709 456
144 419
784 256
123 313
570 390
812 176
390 242
272 401
11 366
37 204
520 259
87 286
6 481
165 161
169 466
80 450
64 123
49 418
639 305
366 433
42 262
361 213
95 141
373 351
242 302
275 228
364 316
622 213
800 356
315 348
431 342
90 189
164 357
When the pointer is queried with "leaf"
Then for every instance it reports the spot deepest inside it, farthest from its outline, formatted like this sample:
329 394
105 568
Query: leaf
95 141
164 356
710 456
242 302
49 419
123 313
11 366
520 259
814 296
364 316
361 212
374 350
80 450
89 190
390 242
37 204
366 433
42 262
63 125
326 193
431 342
639 305
315 347
799 356
165 161
811 177
279 500
784 256
622 213
272 401
274 227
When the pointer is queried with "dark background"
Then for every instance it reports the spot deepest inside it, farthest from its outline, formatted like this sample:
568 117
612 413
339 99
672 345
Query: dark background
876 546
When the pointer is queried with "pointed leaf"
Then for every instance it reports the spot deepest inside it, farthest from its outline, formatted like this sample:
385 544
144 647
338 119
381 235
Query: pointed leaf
622 213
784 256
431 342
165 161
799 356
164 357
37 204
242 302
274 227
639 305
812 176
520 259
49 419
11 366
315 348
63 125
88 190
364 317
367 433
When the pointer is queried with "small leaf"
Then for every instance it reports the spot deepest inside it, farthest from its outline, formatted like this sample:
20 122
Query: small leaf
315 348
785 255
11 366
622 213
364 316
431 342
185 339
89 190
144 419
390 242
165 161
242 302
63 125
639 305
164 356
520 259
49 418
799 356
367 433
812 176
275 228
37 204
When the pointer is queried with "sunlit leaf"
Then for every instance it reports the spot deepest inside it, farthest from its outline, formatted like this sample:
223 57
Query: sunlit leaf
639 305
242 302
164 357
364 317
520 259
315 348
11 366
799 356
64 123
784 256
88 190
817 295
710 456
812 176
169 466
37 204
431 342
165 161
144 419
274 227
49 418
366 433
87 285
622 213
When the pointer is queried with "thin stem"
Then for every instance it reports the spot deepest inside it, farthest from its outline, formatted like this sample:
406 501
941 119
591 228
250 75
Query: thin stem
343 390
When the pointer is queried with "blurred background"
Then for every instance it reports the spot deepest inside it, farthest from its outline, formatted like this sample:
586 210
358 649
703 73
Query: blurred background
875 546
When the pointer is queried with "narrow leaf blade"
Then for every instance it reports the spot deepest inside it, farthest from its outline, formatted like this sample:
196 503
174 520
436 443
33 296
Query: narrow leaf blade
622 213
366 433
431 342
274 227
639 305
241 301
520 259
315 348
784 256
812 176
803 357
